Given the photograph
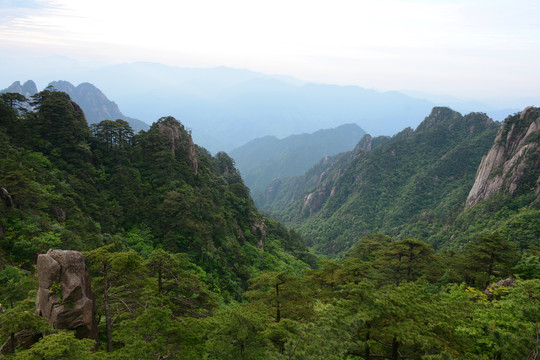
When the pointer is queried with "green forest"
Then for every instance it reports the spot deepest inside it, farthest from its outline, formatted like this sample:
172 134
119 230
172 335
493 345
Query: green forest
184 266
416 184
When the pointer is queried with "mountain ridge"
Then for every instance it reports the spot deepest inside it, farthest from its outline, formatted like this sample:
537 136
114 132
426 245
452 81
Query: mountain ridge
415 176
260 160
94 102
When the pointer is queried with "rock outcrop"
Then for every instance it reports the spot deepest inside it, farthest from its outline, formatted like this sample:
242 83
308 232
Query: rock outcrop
179 138
364 144
513 162
315 200
492 288
438 115
65 296
23 338
6 198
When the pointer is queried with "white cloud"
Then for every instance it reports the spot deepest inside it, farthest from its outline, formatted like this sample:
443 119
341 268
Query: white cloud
468 46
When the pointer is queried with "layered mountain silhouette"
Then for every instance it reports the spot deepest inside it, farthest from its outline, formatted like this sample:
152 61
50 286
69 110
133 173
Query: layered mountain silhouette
225 108
95 104
264 159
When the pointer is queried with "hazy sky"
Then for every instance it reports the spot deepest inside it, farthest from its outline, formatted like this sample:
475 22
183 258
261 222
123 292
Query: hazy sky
477 48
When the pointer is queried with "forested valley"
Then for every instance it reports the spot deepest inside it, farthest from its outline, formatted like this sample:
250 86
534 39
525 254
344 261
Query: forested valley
184 266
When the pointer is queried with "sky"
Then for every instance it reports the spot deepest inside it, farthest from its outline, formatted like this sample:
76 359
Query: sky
474 49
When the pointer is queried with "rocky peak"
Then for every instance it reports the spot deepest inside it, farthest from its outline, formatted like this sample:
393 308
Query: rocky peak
64 86
513 162
27 89
179 139
438 115
364 144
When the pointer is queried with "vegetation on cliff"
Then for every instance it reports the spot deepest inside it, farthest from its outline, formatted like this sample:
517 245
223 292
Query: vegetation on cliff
413 185
185 267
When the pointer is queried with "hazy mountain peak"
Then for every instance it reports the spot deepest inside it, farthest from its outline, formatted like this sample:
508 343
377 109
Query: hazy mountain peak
62 85
27 89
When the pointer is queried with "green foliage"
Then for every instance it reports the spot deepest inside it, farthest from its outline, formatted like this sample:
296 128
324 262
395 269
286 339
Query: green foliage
528 267
154 334
81 188
236 332
14 285
283 294
406 260
22 317
60 345
172 238
179 284
412 185
488 257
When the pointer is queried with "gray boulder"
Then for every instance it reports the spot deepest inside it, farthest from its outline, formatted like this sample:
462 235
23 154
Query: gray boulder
65 296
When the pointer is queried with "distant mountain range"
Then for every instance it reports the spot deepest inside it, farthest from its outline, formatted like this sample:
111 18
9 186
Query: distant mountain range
266 158
95 104
225 108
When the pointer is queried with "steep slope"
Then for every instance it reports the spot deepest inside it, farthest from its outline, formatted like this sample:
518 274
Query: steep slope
506 192
408 186
282 192
264 159
513 163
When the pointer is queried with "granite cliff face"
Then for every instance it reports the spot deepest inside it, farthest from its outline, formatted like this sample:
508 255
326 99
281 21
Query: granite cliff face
512 165
64 295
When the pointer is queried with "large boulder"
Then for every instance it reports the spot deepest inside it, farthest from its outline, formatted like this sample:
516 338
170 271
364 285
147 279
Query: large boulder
23 338
65 296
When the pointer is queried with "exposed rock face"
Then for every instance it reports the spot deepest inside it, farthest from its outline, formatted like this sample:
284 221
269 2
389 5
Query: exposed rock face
364 144
23 338
259 228
6 198
513 162
58 213
315 200
504 282
64 296
179 138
